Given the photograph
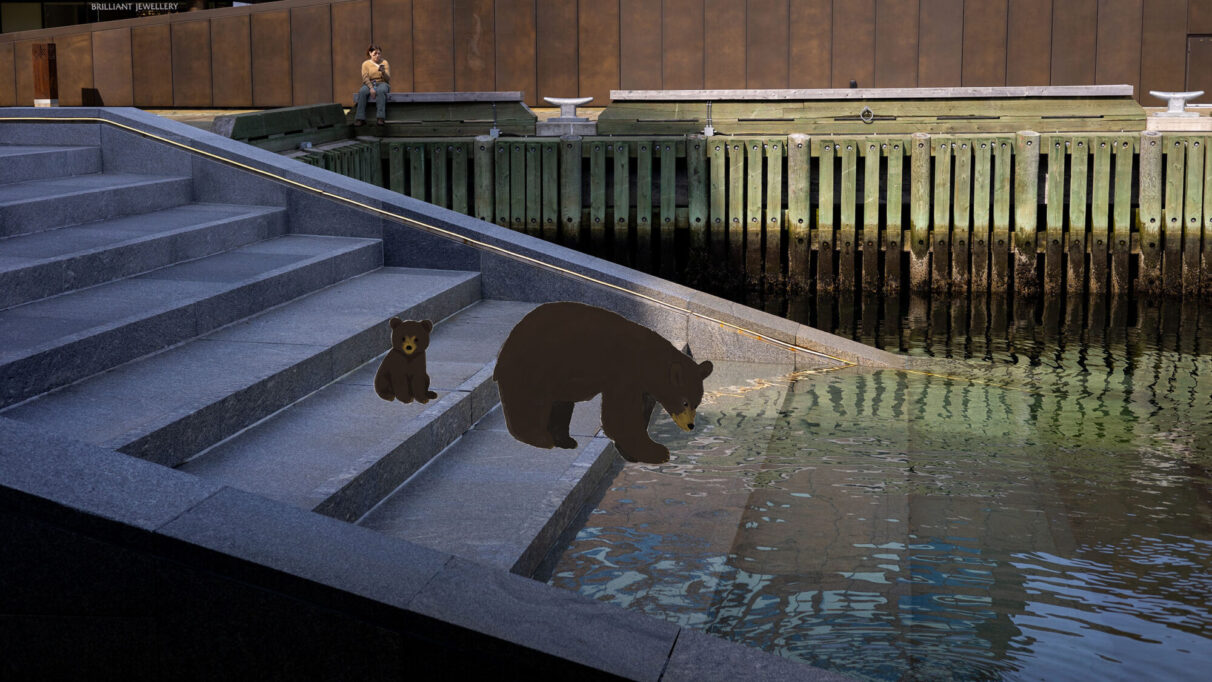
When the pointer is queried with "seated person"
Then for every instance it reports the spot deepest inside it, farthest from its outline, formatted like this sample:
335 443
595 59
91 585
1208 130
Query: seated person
376 74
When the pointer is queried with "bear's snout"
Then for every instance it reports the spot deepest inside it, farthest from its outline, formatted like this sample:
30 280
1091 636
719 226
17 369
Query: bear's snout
410 345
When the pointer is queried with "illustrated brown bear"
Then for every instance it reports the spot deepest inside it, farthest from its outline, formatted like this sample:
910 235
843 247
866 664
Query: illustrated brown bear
564 353
402 374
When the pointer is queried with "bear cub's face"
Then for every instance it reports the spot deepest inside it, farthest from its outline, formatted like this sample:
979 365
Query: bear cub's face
410 337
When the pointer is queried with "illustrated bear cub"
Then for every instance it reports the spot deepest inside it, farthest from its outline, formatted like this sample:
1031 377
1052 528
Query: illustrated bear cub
563 353
402 374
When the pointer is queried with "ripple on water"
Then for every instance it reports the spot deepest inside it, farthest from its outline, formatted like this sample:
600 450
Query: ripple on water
1044 513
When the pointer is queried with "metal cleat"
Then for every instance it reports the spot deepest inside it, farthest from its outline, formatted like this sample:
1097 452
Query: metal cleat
568 108
1177 102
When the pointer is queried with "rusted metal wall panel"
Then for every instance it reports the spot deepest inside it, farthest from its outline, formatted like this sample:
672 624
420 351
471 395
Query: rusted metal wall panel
113 75
231 53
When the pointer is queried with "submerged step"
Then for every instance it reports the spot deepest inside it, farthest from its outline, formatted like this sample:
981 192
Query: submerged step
20 163
172 405
38 205
55 341
342 449
42 264
491 499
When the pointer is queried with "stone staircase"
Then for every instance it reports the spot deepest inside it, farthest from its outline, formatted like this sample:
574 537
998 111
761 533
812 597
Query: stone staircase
215 339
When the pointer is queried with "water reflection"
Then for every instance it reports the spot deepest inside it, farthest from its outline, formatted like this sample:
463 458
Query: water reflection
1044 510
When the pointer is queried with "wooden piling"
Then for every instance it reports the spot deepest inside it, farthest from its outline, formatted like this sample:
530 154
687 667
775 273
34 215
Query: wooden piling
534 189
1193 207
999 242
621 215
1121 225
846 237
753 209
961 207
482 172
643 204
717 154
941 232
1026 198
1205 263
1054 198
1075 238
892 239
551 190
1100 214
376 158
570 189
799 223
416 171
774 210
437 174
1175 148
597 196
919 213
501 173
982 176
395 165
736 204
669 161
825 274
696 180
517 186
458 178
1150 230
870 241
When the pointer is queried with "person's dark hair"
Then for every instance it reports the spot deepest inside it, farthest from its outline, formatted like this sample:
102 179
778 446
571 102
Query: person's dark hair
372 48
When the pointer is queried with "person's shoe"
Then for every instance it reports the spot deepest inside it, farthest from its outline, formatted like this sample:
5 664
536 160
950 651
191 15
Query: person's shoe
380 121
359 122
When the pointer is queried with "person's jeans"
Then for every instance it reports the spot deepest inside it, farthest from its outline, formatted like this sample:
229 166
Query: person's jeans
380 101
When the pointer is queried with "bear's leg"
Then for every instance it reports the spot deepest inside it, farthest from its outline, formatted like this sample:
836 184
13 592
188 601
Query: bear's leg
404 389
557 425
383 386
420 388
623 422
525 417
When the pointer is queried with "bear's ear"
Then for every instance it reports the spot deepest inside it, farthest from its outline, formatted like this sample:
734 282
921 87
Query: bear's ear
427 324
395 322
705 368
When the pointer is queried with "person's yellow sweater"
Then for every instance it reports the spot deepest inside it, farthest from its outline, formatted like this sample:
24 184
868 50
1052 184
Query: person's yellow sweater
371 74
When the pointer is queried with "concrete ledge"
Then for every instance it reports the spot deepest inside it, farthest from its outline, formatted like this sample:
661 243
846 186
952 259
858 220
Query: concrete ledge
843 348
872 93
386 466
560 623
464 615
94 480
565 500
697 657
309 546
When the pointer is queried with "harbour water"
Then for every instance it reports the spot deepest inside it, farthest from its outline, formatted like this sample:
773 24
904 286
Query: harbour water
1038 505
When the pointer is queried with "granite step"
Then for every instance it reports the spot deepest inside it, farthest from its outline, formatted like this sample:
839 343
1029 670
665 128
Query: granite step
54 341
171 405
340 450
37 205
43 264
491 499
20 163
